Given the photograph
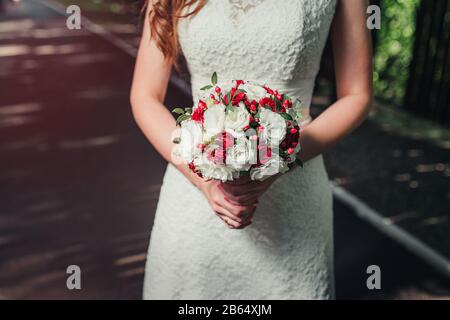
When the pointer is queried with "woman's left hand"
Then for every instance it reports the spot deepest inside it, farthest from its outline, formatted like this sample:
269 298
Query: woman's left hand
246 191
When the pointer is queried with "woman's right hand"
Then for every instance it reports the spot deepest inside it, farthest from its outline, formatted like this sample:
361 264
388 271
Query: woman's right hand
235 216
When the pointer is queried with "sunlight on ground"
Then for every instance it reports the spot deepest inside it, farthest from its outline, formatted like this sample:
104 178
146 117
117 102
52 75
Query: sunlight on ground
14 50
20 108
14 26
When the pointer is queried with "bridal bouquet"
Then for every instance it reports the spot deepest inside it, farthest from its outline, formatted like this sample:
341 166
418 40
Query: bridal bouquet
239 129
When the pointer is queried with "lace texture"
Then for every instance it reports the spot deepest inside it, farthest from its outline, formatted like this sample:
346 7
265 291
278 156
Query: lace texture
287 252
240 8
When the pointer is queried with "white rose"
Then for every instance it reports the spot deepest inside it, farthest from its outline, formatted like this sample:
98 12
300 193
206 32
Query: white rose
191 136
241 156
274 126
210 170
254 92
237 119
214 122
273 166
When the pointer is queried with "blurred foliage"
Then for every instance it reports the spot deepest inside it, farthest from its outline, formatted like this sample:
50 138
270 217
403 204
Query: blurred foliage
394 49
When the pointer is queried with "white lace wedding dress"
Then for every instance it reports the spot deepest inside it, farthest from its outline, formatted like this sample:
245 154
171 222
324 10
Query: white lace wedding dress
287 253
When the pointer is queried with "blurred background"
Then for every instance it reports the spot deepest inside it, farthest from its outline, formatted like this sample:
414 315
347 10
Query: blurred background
79 182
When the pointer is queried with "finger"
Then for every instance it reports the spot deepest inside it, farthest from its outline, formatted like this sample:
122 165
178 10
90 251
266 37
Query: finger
249 215
229 222
247 200
234 194
237 210
224 212
245 225
247 219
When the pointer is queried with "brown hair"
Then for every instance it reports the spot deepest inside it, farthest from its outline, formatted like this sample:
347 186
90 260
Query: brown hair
163 17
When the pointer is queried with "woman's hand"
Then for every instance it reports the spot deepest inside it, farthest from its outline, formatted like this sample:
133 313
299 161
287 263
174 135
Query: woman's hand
246 191
236 216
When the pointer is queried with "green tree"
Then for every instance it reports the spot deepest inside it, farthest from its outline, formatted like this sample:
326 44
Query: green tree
394 49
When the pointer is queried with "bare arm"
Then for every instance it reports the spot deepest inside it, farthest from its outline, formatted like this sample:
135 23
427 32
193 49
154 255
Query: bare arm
353 66
151 77
150 81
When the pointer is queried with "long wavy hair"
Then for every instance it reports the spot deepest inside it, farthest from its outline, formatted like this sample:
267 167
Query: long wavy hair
164 16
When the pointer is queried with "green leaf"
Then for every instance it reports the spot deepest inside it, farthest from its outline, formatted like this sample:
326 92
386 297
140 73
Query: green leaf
188 110
177 140
182 118
214 78
206 87
230 99
287 116
178 111
279 106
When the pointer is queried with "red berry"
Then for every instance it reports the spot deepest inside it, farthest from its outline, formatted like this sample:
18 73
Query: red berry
294 131
279 96
294 144
290 150
289 123
252 107
287 103
212 96
218 90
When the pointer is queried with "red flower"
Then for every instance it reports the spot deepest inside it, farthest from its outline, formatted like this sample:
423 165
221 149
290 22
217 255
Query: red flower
268 102
268 90
239 82
225 100
198 114
287 103
240 96
202 104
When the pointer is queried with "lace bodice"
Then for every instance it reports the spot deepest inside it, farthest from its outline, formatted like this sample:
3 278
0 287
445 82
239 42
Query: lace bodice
278 42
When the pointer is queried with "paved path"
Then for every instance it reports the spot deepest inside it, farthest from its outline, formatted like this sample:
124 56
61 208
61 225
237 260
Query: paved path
79 183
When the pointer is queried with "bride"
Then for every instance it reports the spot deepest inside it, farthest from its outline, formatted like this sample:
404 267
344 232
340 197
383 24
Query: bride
249 240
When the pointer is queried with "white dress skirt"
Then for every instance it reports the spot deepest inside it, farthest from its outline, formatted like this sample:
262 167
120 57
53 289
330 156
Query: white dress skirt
287 253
